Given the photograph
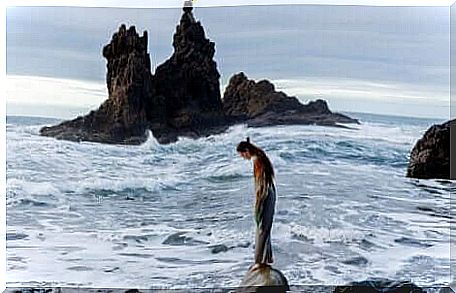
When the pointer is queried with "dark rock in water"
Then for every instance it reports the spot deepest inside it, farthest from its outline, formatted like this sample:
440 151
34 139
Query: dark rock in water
223 248
450 289
264 279
259 104
379 285
123 117
15 236
178 239
244 244
412 242
219 248
356 261
430 157
188 84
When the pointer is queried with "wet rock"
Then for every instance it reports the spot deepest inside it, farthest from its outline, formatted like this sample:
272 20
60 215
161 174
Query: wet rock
377 286
15 236
264 279
430 157
259 104
356 261
219 248
367 245
136 238
450 289
178 239
111 270
412 242
244 244
80 268
301 237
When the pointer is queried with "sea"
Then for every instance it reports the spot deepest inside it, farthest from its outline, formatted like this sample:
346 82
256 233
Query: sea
181 215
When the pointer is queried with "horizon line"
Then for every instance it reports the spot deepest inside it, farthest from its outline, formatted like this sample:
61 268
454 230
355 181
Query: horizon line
99 90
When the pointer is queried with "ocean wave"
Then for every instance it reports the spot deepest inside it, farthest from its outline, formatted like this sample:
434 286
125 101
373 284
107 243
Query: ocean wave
121 185
30 187
343 204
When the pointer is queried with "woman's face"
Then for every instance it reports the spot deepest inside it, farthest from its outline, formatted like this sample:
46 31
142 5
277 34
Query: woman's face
246 155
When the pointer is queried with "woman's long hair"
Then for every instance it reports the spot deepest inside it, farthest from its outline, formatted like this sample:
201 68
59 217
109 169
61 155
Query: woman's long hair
264 173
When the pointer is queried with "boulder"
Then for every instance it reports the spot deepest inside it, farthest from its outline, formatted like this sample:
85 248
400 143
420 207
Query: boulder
259 104
430 157
379 286
263 279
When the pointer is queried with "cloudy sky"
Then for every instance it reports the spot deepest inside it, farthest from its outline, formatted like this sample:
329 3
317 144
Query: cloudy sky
388 60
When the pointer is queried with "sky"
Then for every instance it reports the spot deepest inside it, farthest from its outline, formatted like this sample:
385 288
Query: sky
385 60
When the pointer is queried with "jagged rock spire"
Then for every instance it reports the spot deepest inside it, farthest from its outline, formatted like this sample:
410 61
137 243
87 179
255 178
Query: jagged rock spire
189 80
125 49
123 117
190 38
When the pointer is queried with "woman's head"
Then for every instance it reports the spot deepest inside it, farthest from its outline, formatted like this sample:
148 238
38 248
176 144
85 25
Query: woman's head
249 151
246 149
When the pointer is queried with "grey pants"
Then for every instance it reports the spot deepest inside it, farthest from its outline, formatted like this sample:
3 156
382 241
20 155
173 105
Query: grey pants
263 247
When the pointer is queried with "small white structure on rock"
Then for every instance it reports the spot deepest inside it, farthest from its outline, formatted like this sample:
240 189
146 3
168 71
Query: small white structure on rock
188 4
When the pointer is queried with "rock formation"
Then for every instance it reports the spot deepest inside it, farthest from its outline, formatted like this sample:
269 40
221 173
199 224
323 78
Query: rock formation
183 97
188 83
123 117
259 104
430 157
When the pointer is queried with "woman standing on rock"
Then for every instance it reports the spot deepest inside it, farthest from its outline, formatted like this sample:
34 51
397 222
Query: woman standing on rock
265 193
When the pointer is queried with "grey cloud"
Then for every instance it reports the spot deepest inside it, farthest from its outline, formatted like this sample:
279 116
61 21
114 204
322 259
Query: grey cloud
395 44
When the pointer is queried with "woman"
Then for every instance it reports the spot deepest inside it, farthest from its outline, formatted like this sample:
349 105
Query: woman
265 199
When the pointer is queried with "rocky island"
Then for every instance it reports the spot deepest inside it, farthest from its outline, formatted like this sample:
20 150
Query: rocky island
183 97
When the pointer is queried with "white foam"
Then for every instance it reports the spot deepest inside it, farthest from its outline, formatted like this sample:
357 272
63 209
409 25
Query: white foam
32 188
322 235
38 166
